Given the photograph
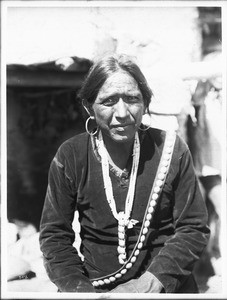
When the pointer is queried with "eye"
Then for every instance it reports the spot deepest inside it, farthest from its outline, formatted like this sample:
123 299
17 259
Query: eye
132 99
109 101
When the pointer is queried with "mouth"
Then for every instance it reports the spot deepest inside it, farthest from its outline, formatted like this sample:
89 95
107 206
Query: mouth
122 127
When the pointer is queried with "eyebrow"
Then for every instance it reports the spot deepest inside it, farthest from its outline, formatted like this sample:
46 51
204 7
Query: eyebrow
106 96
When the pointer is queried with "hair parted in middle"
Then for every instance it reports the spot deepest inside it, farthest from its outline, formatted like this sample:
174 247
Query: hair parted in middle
107 66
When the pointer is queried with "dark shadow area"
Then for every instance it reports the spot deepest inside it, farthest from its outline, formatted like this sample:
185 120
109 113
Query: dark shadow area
42 111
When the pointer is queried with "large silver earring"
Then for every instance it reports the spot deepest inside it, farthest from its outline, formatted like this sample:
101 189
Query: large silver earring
145 127
86 126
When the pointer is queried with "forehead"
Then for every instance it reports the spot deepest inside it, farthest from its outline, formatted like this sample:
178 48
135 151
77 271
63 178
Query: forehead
119 83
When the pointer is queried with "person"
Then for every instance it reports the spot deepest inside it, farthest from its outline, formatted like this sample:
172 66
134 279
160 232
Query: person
142 217
203 126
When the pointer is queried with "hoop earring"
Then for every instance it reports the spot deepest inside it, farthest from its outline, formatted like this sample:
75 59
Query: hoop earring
145 128
86 126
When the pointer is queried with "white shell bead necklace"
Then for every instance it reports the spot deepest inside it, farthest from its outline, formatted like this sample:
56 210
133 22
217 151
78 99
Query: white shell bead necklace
155 193
122 217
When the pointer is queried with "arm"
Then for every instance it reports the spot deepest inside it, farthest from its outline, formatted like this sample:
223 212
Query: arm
61 260
176 259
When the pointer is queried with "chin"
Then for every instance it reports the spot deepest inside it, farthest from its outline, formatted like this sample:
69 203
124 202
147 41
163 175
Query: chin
118 138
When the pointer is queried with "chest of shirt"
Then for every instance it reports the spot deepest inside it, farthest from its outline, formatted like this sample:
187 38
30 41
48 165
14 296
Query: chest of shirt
92 202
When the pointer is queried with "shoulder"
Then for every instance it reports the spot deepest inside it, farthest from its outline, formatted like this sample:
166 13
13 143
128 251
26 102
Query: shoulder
76 140
181 156
159 137
181 146
74 146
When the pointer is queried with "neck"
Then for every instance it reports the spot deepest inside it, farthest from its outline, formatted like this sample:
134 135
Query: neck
118 152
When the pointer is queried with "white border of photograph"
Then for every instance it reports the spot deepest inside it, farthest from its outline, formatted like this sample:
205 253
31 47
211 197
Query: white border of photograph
51 4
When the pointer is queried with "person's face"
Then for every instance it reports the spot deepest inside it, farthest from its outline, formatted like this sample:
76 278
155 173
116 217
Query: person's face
119 107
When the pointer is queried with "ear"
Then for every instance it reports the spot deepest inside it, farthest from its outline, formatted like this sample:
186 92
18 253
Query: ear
87 107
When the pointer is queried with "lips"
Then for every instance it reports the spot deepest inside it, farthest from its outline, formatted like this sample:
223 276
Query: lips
122 125
120 128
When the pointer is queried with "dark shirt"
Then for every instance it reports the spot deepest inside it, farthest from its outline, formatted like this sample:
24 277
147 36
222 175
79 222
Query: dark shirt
177 234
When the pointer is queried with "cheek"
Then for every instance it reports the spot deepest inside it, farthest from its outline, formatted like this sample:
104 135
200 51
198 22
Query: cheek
103 116
138 112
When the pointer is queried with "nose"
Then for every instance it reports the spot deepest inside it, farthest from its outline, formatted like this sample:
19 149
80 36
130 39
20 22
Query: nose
121 109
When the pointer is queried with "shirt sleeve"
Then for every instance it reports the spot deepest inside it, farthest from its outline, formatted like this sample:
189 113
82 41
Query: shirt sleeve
61 260
175 261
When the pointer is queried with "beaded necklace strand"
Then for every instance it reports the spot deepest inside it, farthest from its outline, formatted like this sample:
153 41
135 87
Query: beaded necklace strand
122 217
155 193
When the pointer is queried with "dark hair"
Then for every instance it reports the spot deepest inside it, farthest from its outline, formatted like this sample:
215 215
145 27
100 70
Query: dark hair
107 66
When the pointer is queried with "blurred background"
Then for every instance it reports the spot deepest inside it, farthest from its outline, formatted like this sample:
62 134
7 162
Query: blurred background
49 51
